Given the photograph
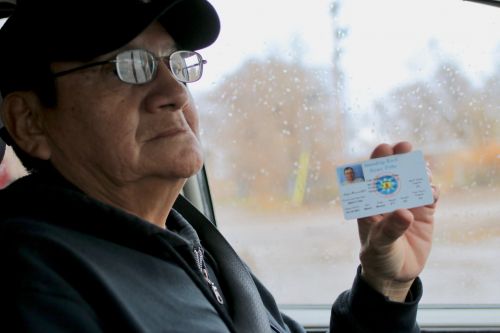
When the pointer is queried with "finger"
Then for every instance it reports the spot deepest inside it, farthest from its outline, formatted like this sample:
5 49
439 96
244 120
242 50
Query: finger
428 170
381 150
402 147
424 215
394 226
385 150
436 192
366 224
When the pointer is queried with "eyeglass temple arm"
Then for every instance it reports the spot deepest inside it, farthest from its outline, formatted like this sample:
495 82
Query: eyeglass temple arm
82 67
203 61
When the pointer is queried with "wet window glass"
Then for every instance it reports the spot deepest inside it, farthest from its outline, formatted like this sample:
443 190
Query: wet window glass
292 90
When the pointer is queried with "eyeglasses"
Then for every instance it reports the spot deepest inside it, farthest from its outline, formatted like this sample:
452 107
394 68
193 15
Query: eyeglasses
140 66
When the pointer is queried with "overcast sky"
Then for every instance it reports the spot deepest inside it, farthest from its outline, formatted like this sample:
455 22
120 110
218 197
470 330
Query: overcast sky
387 43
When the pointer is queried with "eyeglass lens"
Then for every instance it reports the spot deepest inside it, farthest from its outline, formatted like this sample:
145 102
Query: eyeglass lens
139 66
186 66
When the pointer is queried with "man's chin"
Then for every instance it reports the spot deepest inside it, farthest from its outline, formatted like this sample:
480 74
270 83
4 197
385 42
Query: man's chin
192 166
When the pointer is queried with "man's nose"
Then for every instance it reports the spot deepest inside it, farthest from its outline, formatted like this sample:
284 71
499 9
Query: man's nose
174 94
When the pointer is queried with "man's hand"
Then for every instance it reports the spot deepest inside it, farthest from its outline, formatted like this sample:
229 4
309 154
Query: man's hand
395 246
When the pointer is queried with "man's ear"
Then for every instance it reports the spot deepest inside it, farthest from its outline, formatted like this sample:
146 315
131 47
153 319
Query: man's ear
21 115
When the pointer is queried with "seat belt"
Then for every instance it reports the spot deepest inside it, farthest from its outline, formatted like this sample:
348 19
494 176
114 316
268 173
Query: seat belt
248 311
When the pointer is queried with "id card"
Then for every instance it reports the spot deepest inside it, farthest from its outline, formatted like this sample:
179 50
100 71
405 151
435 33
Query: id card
384 184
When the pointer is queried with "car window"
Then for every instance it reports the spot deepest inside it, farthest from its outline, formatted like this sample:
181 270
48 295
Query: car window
307 87
310 86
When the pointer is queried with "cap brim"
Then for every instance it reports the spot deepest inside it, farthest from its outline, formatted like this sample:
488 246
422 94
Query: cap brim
495 3
6 9
2 149
193 24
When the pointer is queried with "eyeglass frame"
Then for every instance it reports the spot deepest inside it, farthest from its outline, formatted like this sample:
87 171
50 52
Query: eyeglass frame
156 59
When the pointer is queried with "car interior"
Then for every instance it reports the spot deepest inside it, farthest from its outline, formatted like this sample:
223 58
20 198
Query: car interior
277 122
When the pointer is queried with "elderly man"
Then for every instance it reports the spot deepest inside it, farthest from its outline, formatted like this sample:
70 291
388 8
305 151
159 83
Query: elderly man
97 238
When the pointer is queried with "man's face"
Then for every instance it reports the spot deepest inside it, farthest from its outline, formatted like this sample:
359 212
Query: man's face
349 174
121 133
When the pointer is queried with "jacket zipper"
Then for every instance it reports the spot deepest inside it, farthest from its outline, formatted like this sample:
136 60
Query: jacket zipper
200 262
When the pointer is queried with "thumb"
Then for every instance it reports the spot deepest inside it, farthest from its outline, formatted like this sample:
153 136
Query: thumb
394 226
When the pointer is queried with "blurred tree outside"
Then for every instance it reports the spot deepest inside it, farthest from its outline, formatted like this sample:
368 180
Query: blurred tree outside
269 116
269 113
455 122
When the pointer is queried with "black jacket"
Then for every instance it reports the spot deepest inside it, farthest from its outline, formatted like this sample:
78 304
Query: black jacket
74 264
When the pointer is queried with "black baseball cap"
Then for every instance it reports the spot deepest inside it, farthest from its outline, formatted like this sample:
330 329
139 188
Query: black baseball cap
80 30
